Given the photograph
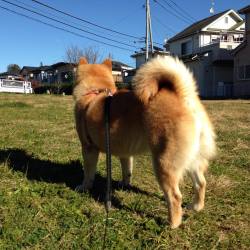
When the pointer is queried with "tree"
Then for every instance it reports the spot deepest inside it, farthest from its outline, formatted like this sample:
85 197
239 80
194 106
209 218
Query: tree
110 56
73 54
92 55
13 69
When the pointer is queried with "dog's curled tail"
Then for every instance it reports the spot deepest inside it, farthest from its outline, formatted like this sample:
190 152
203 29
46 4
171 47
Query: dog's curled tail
169 73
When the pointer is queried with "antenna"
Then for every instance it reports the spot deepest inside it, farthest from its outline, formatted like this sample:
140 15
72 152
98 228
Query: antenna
212 11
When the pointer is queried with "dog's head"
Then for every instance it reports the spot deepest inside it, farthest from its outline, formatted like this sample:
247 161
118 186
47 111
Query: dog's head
95 76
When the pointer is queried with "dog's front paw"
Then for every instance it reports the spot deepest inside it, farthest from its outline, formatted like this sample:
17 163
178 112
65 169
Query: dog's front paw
86 186
195 206
124 185
176 222
79 189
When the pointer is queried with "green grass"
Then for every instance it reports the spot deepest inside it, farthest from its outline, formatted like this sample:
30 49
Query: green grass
40 164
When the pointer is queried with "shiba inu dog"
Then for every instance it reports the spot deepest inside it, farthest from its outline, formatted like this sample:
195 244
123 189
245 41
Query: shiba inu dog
162 115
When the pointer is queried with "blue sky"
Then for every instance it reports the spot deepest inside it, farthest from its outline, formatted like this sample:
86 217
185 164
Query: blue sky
26 42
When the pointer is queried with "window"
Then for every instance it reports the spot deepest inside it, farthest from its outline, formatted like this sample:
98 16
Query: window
66 76
238 39
186 48
226 19
247 72
241 73
215 38
223 38
244 72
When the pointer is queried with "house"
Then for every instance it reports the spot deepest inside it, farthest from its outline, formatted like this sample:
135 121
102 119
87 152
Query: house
63 72
59 72
9 76
140 57
118 71
205 47
241 87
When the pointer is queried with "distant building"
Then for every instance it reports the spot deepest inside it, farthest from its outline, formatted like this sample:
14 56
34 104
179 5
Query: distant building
118 71
59 72
241 54
63 72
206 46
8 76
140 57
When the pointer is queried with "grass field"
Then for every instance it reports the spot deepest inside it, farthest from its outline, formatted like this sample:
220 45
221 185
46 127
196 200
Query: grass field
40 164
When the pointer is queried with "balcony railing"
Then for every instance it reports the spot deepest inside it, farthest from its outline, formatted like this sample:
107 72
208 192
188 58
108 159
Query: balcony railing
221 40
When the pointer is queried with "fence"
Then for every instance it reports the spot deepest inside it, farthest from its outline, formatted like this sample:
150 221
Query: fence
14 86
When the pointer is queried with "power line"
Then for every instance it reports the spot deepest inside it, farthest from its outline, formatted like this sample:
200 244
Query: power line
127 16
177 10
86 21
171 12
62 29
72 22
163 24
183 10
83 20
69 25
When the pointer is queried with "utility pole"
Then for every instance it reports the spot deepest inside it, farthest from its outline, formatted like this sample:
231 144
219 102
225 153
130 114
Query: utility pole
150 31
147 29
149 34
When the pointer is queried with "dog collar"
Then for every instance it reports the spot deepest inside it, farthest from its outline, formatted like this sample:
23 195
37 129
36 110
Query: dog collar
107 91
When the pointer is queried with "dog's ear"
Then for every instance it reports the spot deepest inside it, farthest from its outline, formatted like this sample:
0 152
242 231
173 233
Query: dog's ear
108 63
82 61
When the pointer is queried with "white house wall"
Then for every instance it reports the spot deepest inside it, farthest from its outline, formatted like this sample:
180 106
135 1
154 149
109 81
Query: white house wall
175 48
205 39
140 60
197 69
221 24
242 26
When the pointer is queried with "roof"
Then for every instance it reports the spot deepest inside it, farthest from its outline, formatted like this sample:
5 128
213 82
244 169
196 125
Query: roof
237 25
43 68
144 52
245 10
116 65
59 64
197 26
28 68
8 74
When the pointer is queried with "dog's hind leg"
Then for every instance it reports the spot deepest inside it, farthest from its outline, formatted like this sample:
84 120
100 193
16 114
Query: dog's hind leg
169 178
90 158
199 183
127 168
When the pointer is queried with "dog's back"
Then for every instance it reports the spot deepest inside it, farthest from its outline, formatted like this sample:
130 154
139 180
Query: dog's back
167 86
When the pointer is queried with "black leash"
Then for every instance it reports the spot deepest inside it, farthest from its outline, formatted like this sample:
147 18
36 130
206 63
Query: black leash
108 152
108 163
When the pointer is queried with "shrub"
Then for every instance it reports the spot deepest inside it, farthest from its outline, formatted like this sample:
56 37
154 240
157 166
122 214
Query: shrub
54 88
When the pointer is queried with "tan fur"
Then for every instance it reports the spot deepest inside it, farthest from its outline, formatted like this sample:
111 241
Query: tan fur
163 115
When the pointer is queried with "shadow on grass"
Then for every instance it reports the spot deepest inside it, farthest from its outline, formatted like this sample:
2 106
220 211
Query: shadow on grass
71 174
